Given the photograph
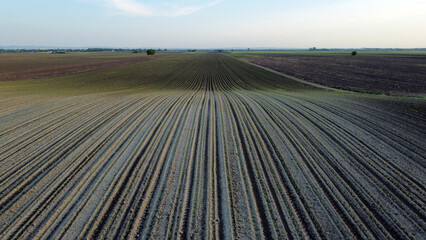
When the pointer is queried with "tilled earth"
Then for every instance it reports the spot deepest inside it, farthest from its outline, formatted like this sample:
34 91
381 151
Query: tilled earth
225 150
389 74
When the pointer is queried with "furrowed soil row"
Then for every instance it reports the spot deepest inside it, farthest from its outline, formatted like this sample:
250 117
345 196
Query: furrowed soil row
360 158
50 154
131 172
300 137
71 145
372 166
100 171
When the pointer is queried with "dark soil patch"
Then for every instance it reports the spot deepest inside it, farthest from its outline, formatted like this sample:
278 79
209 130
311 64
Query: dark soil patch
388 74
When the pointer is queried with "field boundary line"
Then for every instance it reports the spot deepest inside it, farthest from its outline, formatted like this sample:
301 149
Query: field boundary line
292 77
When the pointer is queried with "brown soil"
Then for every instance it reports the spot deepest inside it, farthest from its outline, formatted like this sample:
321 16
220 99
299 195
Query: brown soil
67 68
388 74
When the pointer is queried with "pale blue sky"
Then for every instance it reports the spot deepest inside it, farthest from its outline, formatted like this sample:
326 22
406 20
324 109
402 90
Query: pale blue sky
213 23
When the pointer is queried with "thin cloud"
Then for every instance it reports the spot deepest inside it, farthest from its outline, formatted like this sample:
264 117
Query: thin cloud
137 8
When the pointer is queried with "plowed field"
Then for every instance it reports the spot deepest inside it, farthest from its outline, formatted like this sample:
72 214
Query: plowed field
380 73
207 147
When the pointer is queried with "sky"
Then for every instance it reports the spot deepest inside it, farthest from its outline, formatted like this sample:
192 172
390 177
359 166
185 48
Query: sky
214 23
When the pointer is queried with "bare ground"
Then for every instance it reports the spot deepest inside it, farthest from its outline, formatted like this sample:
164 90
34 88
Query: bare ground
228 151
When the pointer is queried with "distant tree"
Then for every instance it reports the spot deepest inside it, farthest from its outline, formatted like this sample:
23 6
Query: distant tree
58 52
150 52
354 53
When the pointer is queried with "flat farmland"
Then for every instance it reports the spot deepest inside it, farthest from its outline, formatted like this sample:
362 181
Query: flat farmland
394 73
203 146
24 66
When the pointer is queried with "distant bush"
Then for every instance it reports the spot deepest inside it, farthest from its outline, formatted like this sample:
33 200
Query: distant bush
354 53
150 52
